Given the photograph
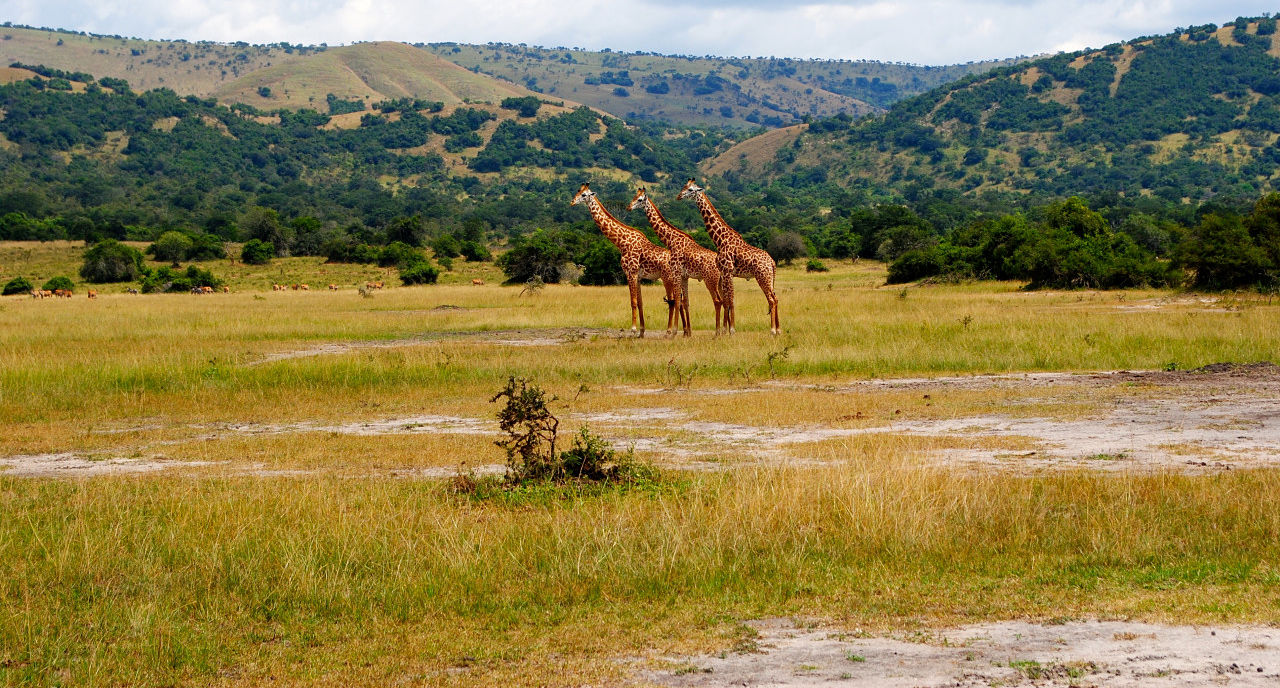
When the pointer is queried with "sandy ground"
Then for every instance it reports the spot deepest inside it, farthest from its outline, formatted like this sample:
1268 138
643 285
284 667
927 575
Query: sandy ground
1213 419
542 337
1014 653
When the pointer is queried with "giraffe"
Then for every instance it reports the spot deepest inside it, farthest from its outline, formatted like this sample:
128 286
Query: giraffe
640 260
693 260
736 258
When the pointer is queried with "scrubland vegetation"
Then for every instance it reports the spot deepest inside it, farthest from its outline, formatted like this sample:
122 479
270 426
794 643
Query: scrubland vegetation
313 556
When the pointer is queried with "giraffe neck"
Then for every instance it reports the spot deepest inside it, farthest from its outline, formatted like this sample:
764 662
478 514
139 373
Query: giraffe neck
610 226
671 235
721 233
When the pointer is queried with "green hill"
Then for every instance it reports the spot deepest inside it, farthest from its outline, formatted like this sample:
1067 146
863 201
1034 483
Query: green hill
1183 116
742 92
368 73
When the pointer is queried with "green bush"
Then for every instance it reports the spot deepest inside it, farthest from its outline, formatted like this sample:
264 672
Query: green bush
59 282
171 247
475 251
815 265
530 444
419 273
257 252
111 261
167 279
401 255
207 247
915 264
18 285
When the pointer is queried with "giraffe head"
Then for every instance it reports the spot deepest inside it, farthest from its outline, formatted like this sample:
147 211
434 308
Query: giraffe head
690 190
584 194
641 199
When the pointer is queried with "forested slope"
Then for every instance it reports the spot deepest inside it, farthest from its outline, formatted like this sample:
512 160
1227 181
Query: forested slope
1186 116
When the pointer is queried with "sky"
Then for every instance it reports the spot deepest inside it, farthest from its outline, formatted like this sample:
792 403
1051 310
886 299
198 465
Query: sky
916 31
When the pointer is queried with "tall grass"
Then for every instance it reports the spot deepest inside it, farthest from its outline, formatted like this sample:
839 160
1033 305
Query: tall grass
156 581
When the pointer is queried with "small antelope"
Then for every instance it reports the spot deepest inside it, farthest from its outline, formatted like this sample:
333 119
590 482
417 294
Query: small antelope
131 290
45 293
226 289
304 287
93 294
477 281
333 287
64 293
36 294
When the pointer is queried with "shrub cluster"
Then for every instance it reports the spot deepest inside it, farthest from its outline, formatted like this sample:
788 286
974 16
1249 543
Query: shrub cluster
530 444
1072 246
167 279
18 285
111 261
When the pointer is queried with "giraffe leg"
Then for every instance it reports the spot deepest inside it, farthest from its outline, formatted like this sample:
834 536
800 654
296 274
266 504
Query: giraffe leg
672 288
726 296
633 284
714 289
685 315
770 295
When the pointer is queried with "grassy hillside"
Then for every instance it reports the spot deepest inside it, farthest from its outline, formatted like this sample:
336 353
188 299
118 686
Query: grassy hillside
1183 116
199 68
706 90
367 72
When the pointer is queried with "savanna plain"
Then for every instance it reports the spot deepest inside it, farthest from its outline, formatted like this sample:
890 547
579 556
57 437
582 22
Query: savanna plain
259 487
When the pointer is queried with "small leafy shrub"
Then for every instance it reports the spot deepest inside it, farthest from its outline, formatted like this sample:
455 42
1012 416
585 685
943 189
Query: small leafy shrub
591 458
531 444
815 265
531 432
18 285
111 261
419 273
257 252
60 282
207 247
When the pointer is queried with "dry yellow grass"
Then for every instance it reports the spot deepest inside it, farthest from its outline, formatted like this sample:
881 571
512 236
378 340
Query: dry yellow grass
303 555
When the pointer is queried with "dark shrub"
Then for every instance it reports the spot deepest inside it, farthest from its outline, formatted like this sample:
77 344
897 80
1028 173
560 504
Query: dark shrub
419 273
915 264
111 261
786 247
257 252
60 282
171 247
18 285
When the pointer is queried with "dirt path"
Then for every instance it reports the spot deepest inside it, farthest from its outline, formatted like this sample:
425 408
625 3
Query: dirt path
1013 653
1217 418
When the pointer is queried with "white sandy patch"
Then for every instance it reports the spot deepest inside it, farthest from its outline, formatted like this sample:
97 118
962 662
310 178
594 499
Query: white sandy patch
72 465
1012 653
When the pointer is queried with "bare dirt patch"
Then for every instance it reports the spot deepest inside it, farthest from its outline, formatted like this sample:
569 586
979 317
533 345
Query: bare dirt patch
1010 653
73 465
545 337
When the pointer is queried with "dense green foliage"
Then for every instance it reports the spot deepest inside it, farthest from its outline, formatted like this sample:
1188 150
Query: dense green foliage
257 252
167 279
171 246
61 282
18 285
1175 117
111 261
220 174
1067 245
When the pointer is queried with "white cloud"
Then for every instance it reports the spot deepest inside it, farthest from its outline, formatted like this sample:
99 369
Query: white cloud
921 31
